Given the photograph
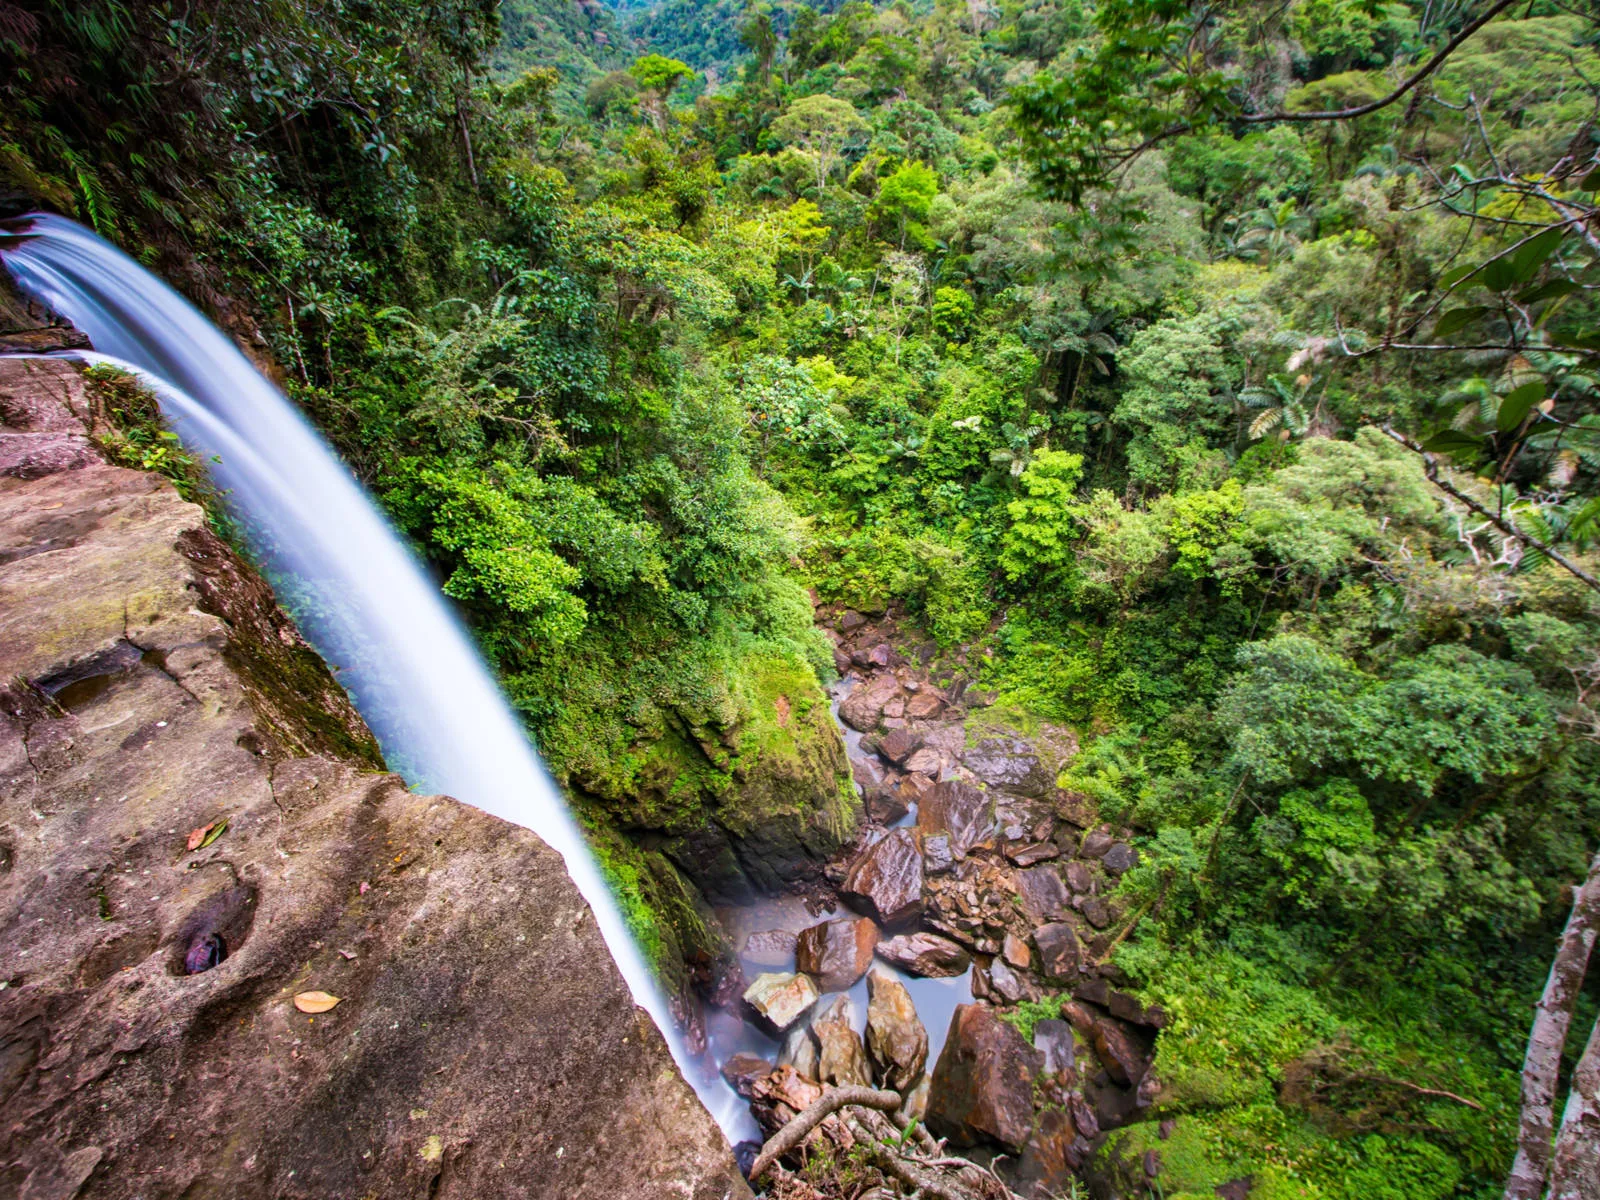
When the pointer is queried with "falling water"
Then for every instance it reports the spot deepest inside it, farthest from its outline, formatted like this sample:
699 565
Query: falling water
362 599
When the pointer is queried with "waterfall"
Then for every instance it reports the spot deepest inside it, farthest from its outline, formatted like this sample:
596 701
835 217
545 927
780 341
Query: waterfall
361 598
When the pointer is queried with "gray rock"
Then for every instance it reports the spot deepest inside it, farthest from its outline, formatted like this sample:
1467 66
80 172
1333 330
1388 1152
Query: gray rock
1010 764
1027 854
936 854
1121 857
841 1058
1096 842
1054 1041
800 1051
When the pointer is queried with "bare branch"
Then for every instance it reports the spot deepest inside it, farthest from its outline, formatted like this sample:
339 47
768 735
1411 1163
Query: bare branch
792 1134
1428 68
1430 467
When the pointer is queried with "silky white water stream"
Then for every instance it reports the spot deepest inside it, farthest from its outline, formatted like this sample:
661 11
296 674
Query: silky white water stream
359 595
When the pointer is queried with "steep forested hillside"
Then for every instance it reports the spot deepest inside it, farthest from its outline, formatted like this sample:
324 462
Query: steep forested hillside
1218 381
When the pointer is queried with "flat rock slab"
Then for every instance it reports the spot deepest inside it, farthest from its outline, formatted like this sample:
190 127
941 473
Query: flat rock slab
959 810
484 1043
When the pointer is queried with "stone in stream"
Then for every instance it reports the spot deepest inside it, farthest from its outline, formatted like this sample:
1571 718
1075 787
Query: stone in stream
841 1059
897 1043
770 948
888 877
836 953
983 1082
1009 764
925 760
885 805
926 954
779 999
799 1051
998 982
914 1105
1044 897
862 708
914 787
1058 950
1079 878
924 706
898 745
959 810
743 1070
782 1096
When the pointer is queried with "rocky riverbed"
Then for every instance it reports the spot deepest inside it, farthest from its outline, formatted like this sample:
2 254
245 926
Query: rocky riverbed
976 887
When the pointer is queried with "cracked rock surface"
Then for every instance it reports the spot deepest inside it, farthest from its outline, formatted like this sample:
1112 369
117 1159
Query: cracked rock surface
483 1044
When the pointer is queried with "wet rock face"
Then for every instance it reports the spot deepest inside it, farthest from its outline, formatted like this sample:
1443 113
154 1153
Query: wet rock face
982 1087
897 1042
887 878
1043 894
778 999
837 953
771 948
925 954
961 812
474 986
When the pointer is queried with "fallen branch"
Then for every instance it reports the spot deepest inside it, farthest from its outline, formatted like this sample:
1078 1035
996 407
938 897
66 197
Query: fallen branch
792 1134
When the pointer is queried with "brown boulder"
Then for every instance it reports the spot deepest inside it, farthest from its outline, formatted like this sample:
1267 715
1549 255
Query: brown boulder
849 621
896 1040
983 1082
898 745
959 810
866 771
888 877
885 805
1119 1051
1058 950
923 706
1015 952
925 954
1044 896
1028 854
863 707
841 1059
836 953
1079 878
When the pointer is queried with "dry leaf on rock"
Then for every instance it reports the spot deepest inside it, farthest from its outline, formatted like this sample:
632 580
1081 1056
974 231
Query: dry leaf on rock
200 838
315 1002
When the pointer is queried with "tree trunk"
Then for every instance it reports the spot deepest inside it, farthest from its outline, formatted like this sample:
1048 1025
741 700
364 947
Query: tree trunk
1546 1040
1575 1173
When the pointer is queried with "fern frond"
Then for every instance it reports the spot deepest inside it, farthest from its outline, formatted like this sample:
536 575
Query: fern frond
1265 423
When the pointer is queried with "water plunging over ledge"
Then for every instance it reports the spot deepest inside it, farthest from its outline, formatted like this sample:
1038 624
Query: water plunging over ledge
363 601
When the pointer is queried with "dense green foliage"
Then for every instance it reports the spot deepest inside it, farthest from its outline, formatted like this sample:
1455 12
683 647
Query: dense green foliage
634 370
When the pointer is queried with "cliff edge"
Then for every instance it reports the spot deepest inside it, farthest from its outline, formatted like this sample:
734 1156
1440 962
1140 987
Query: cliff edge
483 1044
